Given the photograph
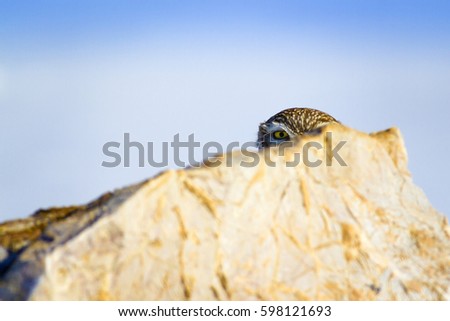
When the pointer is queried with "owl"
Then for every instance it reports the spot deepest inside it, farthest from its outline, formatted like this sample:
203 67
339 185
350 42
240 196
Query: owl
290 123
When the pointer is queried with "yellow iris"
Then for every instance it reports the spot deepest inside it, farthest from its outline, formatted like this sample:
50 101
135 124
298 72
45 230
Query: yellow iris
280 134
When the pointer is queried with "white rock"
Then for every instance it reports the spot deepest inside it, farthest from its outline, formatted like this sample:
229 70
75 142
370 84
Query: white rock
357 232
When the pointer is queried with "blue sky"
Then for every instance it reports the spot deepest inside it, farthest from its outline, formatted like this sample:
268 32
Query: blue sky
76 74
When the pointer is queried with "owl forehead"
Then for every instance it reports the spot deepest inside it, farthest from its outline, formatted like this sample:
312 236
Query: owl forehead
288 121
300 120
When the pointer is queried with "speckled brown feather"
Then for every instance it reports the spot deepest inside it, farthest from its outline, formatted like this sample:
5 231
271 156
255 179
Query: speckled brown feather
297 120
301 120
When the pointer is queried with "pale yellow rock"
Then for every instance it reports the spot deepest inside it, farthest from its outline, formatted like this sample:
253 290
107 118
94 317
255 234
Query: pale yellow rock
3 253
357 232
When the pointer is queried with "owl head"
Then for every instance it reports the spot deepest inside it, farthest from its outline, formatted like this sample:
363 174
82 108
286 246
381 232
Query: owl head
290 123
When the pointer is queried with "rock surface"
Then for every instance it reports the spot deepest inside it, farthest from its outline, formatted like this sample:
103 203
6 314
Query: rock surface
358 232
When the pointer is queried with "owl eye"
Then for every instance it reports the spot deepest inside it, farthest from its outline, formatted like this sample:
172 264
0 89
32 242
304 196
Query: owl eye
280 134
